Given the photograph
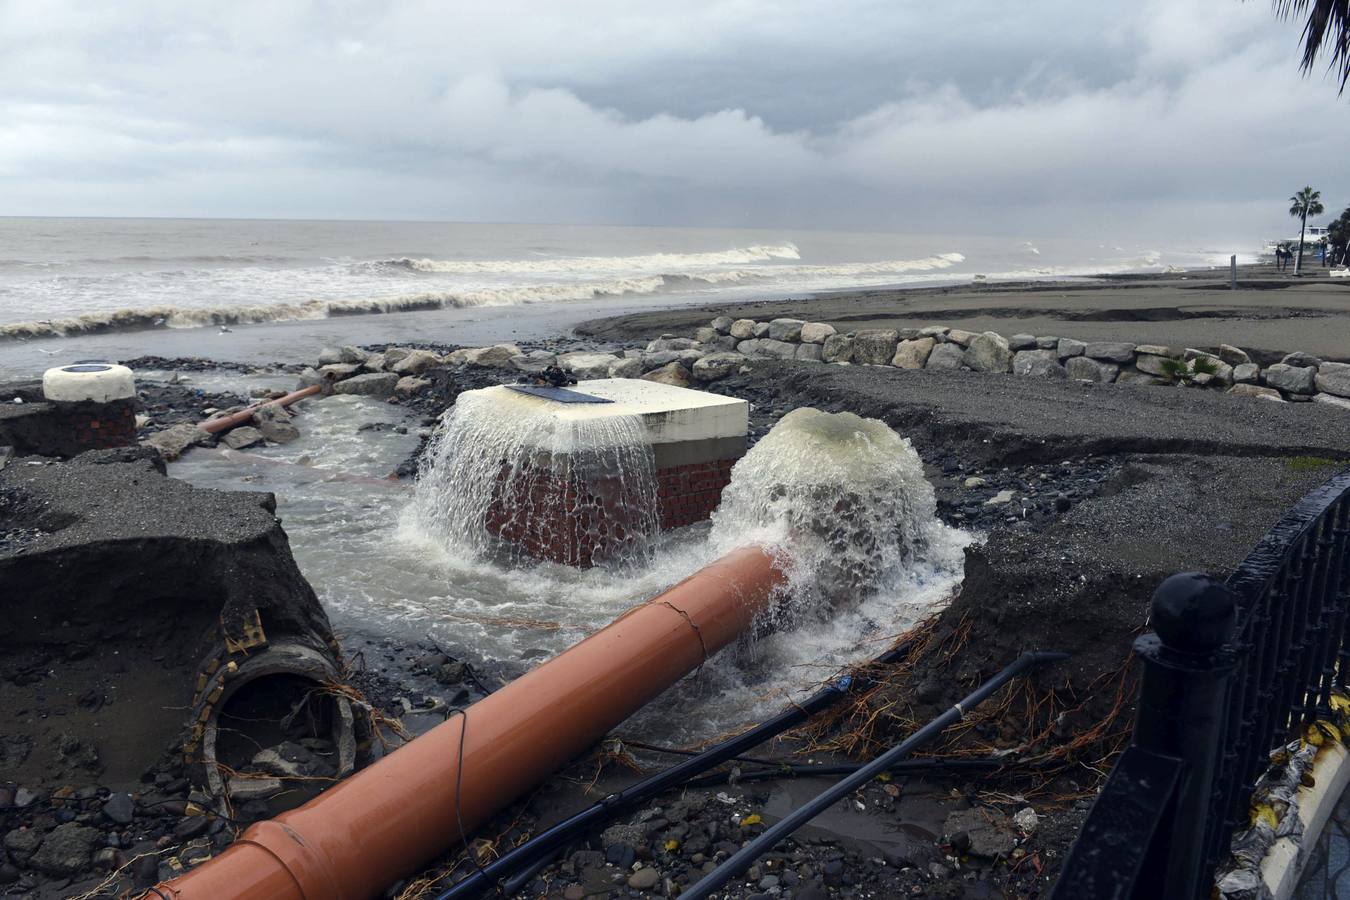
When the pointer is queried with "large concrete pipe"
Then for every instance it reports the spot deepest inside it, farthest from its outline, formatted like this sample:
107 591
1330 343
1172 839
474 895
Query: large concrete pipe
354 840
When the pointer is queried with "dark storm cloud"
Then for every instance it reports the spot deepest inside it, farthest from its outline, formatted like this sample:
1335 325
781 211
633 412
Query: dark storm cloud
1183 118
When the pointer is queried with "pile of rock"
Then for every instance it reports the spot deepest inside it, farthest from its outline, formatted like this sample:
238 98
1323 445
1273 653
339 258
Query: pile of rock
1297 377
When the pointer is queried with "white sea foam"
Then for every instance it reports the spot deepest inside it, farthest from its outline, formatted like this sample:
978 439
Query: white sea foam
650 262
788 276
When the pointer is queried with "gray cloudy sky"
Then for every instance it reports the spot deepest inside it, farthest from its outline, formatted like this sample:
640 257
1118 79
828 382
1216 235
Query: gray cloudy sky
1149 117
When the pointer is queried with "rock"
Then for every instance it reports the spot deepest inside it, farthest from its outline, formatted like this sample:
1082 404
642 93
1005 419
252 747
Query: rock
705 334
1233 356
1026 820
875 346
1253 390
1047 343
274 761
394 355
786 329
330 355
625 368
838 348
174 440
1302 360
768 348
574 892
960 337
988 352
498 356
22 843
945 356
584 364
721 343
1112 351
975 481
8 874
119 808
1153 364
644 879
415 363
410 386
816 332
809 352
241 437
1246 373
673 373
760 330
339 371
1291 379
275 424
375 362
722 324
620 854
1069 347
1158 350
1334 378
741 329
106 859
1223 373
1081 368
23 797
1332 400
913 354
1135 377
190 827
1022 342
1000 498
934 331
536 361
658 359
1038 363
666 342
374 384
988 830
67 850
243 790
353 355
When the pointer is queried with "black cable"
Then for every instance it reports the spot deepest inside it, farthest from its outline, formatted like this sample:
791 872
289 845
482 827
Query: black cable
740 860
459 815
567 831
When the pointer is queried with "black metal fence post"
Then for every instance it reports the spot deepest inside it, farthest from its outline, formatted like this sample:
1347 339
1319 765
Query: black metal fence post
1182 713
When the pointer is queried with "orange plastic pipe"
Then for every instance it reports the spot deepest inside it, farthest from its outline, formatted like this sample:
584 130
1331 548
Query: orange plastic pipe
234 420
354 840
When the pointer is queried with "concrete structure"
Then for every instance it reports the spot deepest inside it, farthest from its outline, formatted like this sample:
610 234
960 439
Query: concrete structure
86 406
695 438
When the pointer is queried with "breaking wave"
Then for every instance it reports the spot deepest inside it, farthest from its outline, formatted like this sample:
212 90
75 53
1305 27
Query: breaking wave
170 316
652 262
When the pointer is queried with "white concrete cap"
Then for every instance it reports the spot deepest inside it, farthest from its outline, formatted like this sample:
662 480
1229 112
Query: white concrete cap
99 382
671 414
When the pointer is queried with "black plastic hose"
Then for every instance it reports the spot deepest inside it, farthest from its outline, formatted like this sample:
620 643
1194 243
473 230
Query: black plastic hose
739 861
549 841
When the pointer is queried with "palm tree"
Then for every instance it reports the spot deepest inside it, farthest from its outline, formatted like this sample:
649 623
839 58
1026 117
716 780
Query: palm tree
1306 202
1328 28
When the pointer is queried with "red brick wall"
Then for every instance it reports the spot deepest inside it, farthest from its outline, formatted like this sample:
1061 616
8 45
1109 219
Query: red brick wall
560 520
689 494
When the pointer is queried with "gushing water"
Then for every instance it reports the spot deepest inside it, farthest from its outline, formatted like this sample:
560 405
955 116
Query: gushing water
505 475
848 509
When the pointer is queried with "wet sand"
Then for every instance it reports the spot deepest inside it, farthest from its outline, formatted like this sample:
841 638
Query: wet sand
1269 315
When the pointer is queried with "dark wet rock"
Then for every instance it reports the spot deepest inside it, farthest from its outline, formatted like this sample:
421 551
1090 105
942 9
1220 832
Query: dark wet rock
274 423
190 827
620 855
119 808
66 850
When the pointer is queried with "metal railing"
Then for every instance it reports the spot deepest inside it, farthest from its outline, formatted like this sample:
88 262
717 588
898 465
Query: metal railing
1232 671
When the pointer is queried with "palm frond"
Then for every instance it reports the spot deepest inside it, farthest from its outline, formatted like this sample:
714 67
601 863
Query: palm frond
1327 30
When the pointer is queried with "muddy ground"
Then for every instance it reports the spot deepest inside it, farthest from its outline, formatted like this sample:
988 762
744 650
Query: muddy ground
1106 490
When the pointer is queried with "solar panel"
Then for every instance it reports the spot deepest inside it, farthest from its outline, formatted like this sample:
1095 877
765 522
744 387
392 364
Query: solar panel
558 394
